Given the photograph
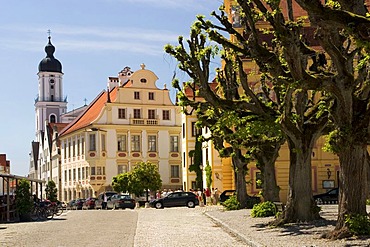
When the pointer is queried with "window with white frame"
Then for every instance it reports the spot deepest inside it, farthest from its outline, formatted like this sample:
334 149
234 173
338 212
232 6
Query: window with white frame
82 146
195 130
174 142
99 170
92 142
78 147
166 114
175 171
152 143
121 143
103 148
137 113
92 170
74 149
121 169
83 173
151 114
121 113
135 143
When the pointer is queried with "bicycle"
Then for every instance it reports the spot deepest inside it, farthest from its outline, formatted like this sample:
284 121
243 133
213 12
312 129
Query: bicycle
42 211
56 207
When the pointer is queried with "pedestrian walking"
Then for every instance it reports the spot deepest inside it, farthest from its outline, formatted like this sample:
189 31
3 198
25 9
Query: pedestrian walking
208 196
105 200
217 196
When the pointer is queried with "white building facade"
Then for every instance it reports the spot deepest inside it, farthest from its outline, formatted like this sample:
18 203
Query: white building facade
133 121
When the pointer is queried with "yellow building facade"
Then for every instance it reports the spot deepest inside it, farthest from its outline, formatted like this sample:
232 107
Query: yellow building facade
325 166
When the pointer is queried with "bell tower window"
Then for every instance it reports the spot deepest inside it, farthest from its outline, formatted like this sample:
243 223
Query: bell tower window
52 119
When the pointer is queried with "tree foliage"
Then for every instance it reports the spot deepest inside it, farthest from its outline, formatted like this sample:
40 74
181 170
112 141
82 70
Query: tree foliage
222 109
291 61
196 156
145 176
51 191
23 199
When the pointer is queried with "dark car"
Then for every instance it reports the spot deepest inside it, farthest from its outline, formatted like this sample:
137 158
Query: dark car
78 204
89 203
226 195
176 199
70 204
120 201
331 196
99 201
250 200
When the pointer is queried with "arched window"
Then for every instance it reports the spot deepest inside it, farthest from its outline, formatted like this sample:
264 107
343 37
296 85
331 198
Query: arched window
52 119
143 80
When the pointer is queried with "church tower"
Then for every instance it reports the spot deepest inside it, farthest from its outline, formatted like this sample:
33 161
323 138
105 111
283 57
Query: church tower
50 103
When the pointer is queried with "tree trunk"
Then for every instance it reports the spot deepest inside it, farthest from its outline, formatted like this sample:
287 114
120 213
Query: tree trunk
301 206
353 187
266 164
240 168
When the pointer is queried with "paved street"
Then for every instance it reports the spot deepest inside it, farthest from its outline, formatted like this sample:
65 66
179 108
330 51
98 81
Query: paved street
139 228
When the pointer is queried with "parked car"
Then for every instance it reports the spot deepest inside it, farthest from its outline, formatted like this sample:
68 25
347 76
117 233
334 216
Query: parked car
226 195
120 201
251 200
78 204
331 196
71 204
63 204
100 199
89 203
176 199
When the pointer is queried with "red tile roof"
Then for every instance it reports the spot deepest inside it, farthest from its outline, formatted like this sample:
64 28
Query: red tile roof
90 114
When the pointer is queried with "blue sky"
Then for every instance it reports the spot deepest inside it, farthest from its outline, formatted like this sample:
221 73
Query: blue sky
94 40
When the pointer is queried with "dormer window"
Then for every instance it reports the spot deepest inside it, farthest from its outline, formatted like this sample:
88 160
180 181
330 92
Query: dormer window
143 80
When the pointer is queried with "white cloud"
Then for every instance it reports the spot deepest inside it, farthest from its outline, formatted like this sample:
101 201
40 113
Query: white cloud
86 39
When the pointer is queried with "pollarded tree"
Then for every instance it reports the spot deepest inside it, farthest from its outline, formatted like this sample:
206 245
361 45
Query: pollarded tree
341 32
216 109
342 28
283 57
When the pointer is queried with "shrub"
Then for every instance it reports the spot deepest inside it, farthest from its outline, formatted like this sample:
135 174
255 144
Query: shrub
367 201
252 200
231 203
51 191
23 199
264 209
358 224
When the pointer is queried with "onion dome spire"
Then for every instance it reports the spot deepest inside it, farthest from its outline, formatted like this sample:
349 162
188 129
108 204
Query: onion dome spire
50 63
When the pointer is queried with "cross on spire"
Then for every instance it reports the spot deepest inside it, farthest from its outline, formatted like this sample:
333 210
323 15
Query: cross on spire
85 100
49 32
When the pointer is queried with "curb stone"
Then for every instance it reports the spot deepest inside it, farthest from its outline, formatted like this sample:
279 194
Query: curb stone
234 232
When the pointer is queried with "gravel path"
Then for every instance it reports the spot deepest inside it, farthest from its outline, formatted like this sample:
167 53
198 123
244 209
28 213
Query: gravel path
256 232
